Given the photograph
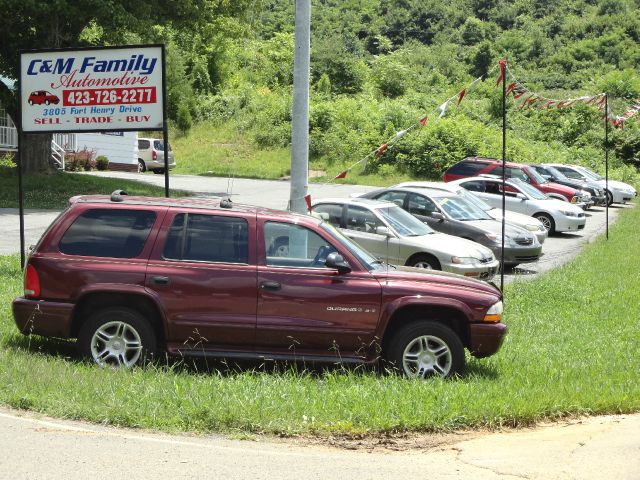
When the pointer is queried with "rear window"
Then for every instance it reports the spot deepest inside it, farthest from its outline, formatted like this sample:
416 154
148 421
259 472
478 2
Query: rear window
159 145
467 169
108 233
143 144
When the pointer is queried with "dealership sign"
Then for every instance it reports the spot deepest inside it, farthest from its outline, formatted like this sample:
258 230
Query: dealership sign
102 89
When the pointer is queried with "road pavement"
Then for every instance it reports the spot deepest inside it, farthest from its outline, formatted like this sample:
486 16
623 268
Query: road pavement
36 447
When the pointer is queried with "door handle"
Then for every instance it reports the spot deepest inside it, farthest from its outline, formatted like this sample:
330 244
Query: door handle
160 280
270 286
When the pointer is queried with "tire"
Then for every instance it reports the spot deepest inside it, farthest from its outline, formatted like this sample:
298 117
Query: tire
158 170
547 222
609 198
424 260
117 337
426 349
141 166
30 102
46 102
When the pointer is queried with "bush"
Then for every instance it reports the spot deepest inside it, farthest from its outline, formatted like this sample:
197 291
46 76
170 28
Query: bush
184 120
84 159
7 165
102 163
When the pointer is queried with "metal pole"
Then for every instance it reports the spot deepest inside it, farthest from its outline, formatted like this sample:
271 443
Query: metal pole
165 126
606 160
300 126
21 194
504 170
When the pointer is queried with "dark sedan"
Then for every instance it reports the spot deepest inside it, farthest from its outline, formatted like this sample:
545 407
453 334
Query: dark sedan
450 213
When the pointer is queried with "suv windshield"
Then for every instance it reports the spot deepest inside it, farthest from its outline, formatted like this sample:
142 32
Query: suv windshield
403 223
459 208
533 192
368 261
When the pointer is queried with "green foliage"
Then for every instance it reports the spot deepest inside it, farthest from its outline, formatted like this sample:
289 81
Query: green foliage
390 76
102 163
184 120
7 166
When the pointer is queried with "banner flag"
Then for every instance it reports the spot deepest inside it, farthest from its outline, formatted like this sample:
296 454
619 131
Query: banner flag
342 174
381 150
461 95
423 120
443 107
307 198
503 64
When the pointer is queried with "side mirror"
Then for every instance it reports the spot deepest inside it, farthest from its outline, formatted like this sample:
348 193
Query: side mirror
521 196
437 216
335 261
381 230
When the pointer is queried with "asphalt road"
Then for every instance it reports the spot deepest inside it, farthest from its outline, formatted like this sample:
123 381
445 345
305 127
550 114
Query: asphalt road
275 194
35 447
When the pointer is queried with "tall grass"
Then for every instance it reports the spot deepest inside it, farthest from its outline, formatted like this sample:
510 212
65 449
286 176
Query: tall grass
573 348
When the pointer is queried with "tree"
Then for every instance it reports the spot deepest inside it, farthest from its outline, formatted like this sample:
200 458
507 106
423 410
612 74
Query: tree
43 24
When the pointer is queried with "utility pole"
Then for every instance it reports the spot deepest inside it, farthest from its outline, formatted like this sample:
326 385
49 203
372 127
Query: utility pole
300 127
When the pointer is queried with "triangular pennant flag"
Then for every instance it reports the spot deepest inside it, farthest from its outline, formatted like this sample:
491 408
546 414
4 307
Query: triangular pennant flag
461 95
442 108
510 88
526 101
381 150
307 198
423 120
503 64
363 163
342 174
401 134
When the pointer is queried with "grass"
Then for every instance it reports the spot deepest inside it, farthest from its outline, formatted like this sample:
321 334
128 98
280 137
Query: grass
53 191
572 349
223 151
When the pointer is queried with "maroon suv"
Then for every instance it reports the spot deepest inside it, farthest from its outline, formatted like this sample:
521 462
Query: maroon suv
130 277
473 166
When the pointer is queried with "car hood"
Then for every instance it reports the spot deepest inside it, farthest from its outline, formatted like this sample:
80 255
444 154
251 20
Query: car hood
449 245
617 185
428 277
495 227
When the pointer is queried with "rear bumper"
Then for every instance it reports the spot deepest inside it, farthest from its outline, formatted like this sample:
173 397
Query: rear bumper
486 338
50 319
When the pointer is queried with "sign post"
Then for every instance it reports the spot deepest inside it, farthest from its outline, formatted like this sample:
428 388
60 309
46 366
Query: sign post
97 89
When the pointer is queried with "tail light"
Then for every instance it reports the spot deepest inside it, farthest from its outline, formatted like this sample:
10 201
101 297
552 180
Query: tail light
31 283
154 155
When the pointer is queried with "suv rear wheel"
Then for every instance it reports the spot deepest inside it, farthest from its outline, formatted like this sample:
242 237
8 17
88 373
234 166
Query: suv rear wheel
426 349
117 337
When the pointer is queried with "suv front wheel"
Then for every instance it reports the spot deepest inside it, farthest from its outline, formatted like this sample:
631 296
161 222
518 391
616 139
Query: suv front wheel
117 337
426 349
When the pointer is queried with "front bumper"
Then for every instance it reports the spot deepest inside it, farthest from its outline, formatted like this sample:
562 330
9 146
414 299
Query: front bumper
50 319
484 271
519 254
570 224
485 338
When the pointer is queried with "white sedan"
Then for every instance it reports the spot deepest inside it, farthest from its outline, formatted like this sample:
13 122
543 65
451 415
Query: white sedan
618 192
555 215
399 238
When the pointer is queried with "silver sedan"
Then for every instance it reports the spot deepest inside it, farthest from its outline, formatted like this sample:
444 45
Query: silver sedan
397 237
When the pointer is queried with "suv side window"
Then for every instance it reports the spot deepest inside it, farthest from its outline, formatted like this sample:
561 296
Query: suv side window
362 220
467 169
159 145
207 238
289 245
333 210
108 233
143 144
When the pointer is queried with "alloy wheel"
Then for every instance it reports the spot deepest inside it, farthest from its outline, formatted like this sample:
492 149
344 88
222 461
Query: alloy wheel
426 356
116 344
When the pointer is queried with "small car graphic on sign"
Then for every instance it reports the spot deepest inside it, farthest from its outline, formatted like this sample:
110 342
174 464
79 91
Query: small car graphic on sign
41 96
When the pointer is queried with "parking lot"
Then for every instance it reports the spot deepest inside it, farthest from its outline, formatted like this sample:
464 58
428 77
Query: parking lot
557 249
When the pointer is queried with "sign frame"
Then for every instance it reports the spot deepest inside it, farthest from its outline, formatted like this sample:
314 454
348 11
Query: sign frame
96 48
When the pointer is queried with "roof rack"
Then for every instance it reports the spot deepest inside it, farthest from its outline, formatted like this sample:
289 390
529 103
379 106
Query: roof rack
117 195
